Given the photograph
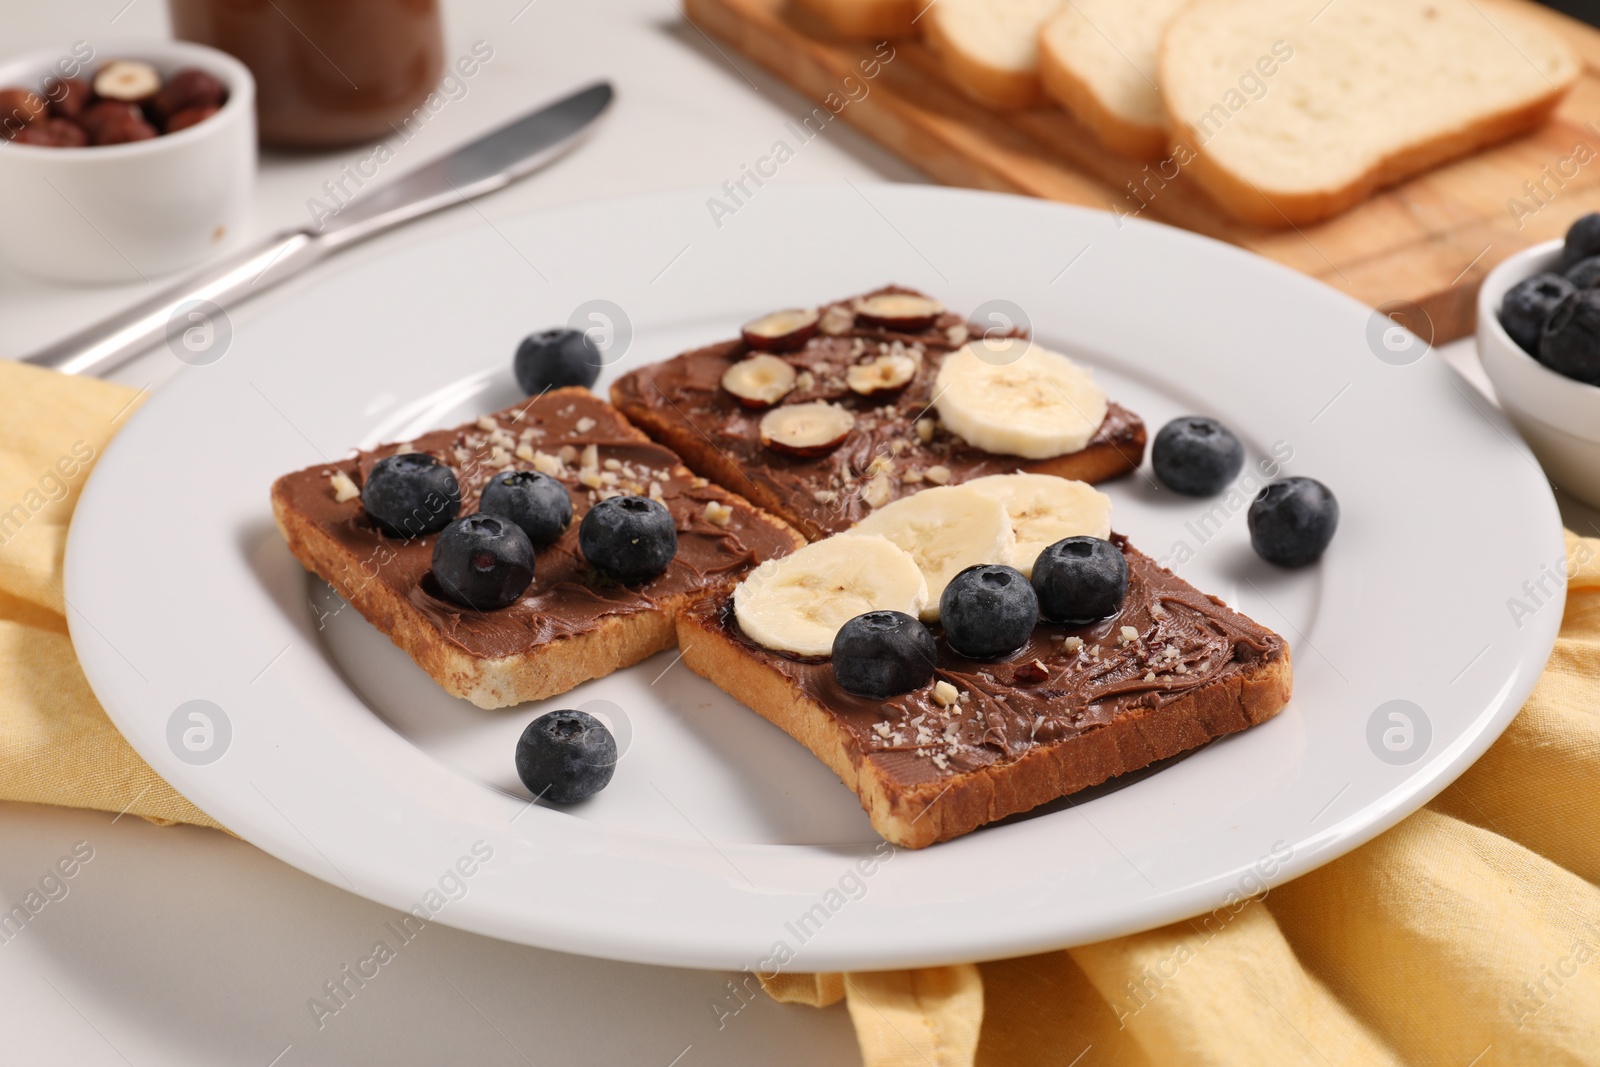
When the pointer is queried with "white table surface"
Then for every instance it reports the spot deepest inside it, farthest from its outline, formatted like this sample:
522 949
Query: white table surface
183 946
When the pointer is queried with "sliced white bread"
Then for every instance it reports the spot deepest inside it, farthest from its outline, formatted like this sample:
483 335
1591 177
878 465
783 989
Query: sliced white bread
876 19
1097 58
990 48
1294 110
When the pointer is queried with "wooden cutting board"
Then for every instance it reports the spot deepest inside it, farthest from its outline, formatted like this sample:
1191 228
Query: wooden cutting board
1427 242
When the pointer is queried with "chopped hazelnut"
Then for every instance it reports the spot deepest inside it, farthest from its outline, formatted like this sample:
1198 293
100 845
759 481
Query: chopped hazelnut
524 452
718 513
404 447
1072 644
545 463
1127 636
945 694
938 474
591 457
876 493
343 488
924 429
583 425
487 423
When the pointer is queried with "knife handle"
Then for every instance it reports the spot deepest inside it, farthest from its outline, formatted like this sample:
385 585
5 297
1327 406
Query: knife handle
108 344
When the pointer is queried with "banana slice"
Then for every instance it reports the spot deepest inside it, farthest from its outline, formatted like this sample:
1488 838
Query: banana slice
1043 509
946 530
797 603
1033 403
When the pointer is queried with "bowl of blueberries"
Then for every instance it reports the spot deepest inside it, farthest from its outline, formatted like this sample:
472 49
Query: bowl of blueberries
1539 339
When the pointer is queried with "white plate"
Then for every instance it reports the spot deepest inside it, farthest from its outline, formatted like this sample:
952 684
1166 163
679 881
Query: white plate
720 838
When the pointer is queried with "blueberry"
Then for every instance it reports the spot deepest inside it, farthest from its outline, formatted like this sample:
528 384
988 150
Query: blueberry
883 654
483 562
628 538
1196 456
1584 274
1570 343
536 502
1080 579
988 611
566 756
411 495
553 359
1292 521
1583 240
1527 305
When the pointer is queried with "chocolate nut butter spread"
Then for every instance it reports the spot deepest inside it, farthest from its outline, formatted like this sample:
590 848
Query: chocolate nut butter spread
897 446
582 441
1168 640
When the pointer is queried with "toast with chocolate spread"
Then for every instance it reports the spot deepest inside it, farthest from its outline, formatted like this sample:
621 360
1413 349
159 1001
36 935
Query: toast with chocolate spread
572 621
822 415
857 653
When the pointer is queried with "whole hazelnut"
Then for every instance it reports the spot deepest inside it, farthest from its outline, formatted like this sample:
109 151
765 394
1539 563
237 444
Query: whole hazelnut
189 88
182 120
105 113
19 108
69 97
123 132
129 80
54 133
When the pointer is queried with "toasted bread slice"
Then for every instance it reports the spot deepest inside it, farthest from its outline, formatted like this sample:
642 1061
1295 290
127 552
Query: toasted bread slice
990 48
875 19
681 403
570 625
1097 58
1294 110
1076 706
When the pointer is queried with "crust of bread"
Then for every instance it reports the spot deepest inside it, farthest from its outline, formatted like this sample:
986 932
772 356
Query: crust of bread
996 87
491 682
1248 202
876 19
922 815
1096 463
1064 86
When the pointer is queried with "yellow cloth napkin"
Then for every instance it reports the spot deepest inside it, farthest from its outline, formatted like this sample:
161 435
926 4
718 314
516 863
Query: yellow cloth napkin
1467 936
56 744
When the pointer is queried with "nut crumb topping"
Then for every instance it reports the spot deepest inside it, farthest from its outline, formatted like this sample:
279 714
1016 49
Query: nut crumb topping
404 448
938 475
1127 636
584 425
524 452
1072 644
924 428
343 488
718 513
945 694
487 423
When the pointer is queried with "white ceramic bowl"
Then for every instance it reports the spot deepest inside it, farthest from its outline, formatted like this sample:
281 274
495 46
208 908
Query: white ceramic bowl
132 211
1558 416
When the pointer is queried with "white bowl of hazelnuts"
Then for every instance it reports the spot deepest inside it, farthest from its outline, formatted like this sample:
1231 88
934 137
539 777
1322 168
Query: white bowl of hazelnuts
122 163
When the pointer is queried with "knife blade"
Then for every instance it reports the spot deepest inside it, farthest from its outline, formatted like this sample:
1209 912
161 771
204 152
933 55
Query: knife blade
491 162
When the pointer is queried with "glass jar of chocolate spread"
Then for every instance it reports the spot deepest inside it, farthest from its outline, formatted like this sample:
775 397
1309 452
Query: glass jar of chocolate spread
328 72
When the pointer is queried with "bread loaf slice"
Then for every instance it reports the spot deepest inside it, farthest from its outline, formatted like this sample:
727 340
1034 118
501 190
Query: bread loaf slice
1294 110
1077 706
1097 58
990 48
873 19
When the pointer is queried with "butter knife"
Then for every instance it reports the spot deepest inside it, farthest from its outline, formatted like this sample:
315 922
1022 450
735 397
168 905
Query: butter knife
489 163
